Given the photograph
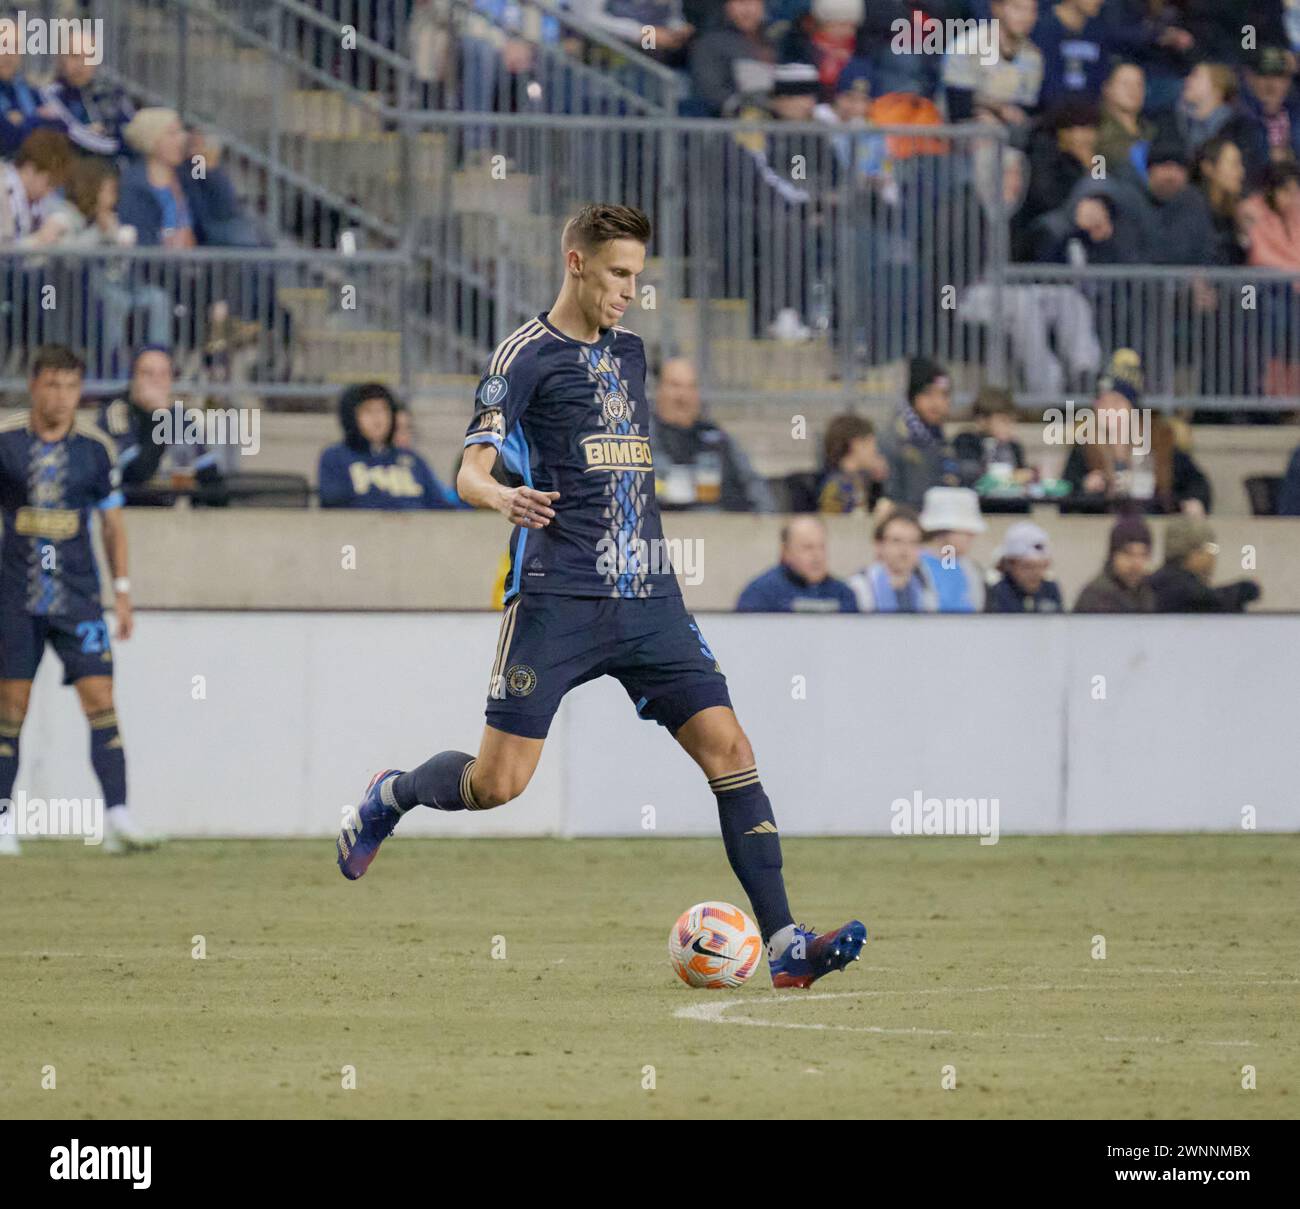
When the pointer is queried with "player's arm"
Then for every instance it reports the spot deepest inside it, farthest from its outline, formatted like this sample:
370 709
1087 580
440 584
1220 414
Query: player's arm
114 531
519 505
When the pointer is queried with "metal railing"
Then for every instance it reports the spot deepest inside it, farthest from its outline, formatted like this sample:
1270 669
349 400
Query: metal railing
277 323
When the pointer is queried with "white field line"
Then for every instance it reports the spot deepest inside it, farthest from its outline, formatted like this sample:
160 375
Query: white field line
720 1012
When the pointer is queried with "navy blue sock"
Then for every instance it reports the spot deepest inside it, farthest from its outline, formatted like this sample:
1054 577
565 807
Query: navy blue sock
107 758
8 758
753 846
442 782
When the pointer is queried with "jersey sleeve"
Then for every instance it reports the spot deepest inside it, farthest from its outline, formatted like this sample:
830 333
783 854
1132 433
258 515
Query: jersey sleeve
503 394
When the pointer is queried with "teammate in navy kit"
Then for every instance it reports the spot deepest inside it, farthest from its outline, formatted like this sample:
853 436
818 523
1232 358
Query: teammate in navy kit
56 472
590 591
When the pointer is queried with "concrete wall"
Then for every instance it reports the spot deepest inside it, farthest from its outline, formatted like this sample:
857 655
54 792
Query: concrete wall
289 559
1193 721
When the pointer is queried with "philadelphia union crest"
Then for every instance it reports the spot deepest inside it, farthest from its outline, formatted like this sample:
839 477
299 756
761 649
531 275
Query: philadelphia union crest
520 680
615 407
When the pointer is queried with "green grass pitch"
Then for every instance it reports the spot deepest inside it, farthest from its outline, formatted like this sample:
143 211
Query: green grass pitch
980 961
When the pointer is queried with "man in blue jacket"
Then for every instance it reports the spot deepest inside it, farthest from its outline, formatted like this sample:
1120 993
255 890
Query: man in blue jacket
366 470
801 582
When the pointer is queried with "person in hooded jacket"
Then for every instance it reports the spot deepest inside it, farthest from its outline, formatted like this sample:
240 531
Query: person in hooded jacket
365 469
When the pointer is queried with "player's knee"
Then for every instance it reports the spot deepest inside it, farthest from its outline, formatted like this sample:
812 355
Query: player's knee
736 752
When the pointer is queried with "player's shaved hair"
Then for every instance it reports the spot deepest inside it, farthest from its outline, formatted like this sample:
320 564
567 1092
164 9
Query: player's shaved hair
598 223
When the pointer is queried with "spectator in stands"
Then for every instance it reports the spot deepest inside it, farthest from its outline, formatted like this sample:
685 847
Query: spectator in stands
86 217
991 451
858 152
1118 463
629 21
1288 495
21 108
896 581
1121 587
1091 229
366 470
1182 585
1150 33
29 184
1270 219
914 445
1182 229
801 582
1025 558
697 465
403 429
1220 175
951 519
826 37
1061 158
731 60
1272 107
1008 90
1124 134
132 422
1072 38
171 208
92 112
855 470
1207 109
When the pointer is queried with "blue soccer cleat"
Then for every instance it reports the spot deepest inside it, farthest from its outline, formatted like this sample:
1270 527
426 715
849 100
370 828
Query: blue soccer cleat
801 964
366 828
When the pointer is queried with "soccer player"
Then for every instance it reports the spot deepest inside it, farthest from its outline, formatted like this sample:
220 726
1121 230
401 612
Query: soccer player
56 471
563 402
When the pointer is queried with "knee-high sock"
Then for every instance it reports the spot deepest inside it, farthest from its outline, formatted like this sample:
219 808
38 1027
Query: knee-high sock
442 782
8 758
753 846
107 758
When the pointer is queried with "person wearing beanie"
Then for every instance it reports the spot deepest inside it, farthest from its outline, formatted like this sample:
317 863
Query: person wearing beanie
366 469
826 38
1182 585
1024 559
1181 225
914 445
1121 586
951 519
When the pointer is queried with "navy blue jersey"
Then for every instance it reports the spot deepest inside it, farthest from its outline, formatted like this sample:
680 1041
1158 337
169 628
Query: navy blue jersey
573 418
48 492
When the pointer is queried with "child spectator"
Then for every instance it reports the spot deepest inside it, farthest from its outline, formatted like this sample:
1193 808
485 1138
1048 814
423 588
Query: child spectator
1026 557
366 470
1121 586
951 519
992 451
895 582
854 467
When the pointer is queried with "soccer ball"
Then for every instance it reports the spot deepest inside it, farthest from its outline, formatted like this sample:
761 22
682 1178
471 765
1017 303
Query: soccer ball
714 945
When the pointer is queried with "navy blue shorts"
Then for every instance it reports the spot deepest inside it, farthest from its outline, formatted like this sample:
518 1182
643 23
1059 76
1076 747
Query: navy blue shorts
549 644
80 642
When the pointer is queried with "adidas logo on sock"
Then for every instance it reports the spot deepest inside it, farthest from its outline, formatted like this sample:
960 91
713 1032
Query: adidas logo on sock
764 828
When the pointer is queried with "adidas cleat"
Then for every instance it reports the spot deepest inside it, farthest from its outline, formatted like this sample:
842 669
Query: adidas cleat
365 828
809 957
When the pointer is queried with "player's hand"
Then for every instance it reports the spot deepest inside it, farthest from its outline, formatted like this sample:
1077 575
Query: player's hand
527 507
125 617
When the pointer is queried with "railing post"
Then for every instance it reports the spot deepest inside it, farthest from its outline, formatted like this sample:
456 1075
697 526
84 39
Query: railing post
273 135
672 241
1000 253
